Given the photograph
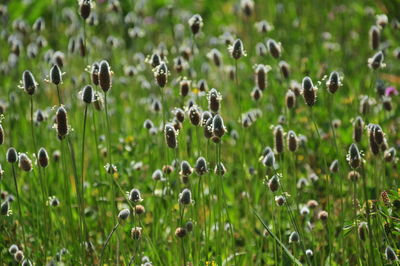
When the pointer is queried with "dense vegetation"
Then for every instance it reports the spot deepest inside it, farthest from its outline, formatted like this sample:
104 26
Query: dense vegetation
199 132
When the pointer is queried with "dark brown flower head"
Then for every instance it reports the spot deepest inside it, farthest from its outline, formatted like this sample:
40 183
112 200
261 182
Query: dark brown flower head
136 233
134 196
220 169
292 141
260 73
215 56
139 209
185 197
218 127
390 254
186 169
28 82
274 48
290 99
105 76
362 231
202 85
194 115
379 136
269 159
180 115
214 101
354 156
39 24
205 115
148 124
208 128
170 136
55 75
256 94
334 167
43 158
155 60
358 128
390 154
323 215
374 37
247 7
376 61
285 69
62 122
123 215
87 94
278 139
334 82
184 87
273 183
201 166
374 147
84 8
195 23
309 91
236 49
180 232
387 103
24 162
161 74
95 73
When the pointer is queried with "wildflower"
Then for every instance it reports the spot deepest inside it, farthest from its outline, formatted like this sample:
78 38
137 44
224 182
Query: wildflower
136 233
390 254
84 8
274 48
376 61
278 139
354 157
105 76
294 237
309 91
43 158
180 232
374 37
195 23
134 195
285 69
55 75
185 197
29 83
161 74
123 215
236 50
333 82
62 122
201 166
214 100
24 162
170 136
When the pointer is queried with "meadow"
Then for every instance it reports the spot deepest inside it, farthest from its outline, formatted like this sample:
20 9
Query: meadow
236 132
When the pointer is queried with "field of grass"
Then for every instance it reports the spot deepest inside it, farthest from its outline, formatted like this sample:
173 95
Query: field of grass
156 132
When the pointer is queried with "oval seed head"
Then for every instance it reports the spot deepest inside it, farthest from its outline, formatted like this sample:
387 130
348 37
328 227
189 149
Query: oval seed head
390 254
358 128
247 7
376 61
323 216
390 154
195 23
309 253
387 103
62 122
186 169
180 115
13 249
285 69
12 156
292 141
218 127
134 195
19 256
24 162
256 94
43 158
236 50
123 215
139 209
309 94
374 147
180 232
170 136
184 87
4 208
136 233
354 157
208 128
214 100
280 200
55 75
87 95
269 160
29 82
189 226
201 166
278 139
204 118
261 50
95 73
1 135
273 183
157 175
161 74
374 37
185 197
379 136
194 115
261 72
334 167
220 169
290 99
105 76
84 8
274 48
362 231
155 60
294 237
202 85
26 262
333 82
